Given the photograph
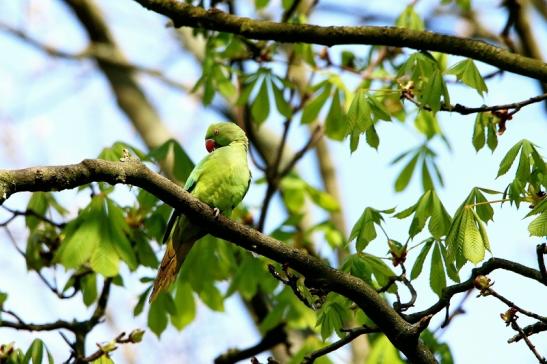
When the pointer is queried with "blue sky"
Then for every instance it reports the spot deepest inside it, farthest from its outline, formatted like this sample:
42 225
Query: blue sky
57 111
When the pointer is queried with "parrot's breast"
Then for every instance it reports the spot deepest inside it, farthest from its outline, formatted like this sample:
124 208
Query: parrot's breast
225 178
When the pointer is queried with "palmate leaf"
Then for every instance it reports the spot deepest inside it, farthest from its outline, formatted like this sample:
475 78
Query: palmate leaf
429 206
98 235
467 72
364 230
467 239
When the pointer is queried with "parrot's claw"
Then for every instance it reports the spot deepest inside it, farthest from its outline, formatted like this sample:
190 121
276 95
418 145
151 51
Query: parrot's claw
216 212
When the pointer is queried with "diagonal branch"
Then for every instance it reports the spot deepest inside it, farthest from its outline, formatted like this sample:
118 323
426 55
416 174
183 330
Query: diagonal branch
403 335
183 14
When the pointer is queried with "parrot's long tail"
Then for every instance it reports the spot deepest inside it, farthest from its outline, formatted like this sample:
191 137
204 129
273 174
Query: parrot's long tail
170 265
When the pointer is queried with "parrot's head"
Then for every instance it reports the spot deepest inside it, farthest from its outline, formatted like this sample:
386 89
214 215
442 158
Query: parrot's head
222 134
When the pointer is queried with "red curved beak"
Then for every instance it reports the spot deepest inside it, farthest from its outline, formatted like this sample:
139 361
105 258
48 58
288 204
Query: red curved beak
210 145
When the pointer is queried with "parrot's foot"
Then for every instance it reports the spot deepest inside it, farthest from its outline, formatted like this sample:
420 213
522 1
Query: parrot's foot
216 212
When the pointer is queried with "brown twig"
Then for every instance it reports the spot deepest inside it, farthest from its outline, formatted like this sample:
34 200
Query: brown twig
105 349
515 326
541 250
291 281
352 334
315 136
487 267
465 110
29 212
529 330
511 304
273 337
101 52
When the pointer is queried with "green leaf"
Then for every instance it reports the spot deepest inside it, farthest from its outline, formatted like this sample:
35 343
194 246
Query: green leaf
282 106
432 91
98 235
427 123
450 268
360 113
223 83
88 285
185 305
335 123
314 106
323 199
509 158
467 72
157 314
473 245
427 182
478 132
538 226
404 177
482 231
421 214
260 108
383 352
410 19
378 109
440 221
182 166
372 137
419 263
364 230
261 4
103 360
35 352
437 277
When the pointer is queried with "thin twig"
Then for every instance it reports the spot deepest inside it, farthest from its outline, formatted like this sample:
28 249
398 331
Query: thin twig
529 330
291 281
273 337
105 349
101 52
352 334
464 110
509 303
541 250
531 346
316 135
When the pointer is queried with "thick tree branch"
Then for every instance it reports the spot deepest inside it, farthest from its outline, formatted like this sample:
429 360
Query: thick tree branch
183 14
402 334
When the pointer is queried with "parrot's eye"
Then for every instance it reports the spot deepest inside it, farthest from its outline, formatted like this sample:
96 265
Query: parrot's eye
216 132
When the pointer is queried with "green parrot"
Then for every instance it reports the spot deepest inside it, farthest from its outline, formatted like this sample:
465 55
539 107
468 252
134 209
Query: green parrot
221 180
